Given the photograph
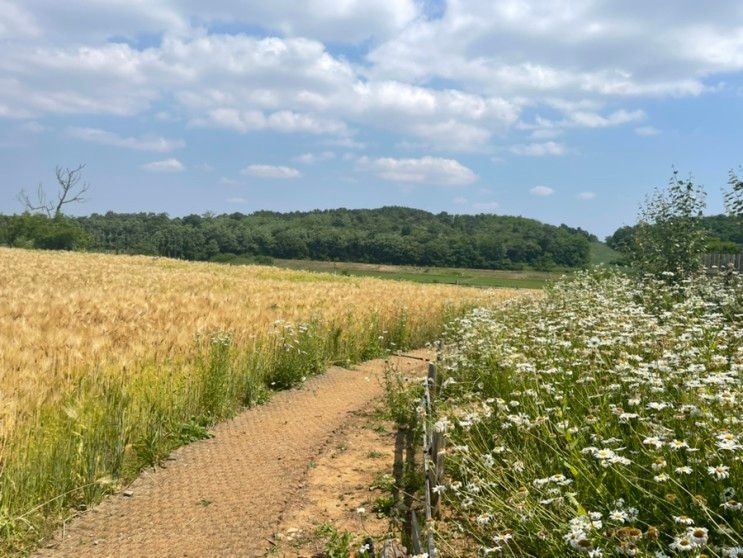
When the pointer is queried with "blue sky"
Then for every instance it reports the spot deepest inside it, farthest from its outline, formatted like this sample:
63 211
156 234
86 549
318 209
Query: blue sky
565 111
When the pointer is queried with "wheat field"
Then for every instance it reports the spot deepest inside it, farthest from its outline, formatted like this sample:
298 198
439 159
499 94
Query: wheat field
109 362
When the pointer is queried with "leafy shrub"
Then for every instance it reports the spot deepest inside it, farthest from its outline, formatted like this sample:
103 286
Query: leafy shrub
402 398
263 260
215 374
300 353
224 257
39 231
670 239
337 543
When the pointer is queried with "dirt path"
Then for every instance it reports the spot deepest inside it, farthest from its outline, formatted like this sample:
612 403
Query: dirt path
226 496
343 490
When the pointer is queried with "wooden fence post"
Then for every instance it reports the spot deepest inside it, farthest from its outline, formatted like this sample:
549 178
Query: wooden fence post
720 261
433 463
415 535
431 379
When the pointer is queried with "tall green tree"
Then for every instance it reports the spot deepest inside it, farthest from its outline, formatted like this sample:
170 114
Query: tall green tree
670 239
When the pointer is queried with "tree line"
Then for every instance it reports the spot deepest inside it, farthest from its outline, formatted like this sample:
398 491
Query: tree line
388 235
723 234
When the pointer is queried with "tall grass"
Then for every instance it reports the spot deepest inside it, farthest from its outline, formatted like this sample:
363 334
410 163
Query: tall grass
93 389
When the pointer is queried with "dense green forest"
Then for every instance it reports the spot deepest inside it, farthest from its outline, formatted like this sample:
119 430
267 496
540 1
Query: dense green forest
724 234
391 235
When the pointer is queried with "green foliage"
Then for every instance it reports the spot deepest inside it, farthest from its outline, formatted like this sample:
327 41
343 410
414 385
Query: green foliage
734 197
725 228
669 239
300 353
494 278
717 246
262 260
390 235
39 231
192 431
402 398
601 254
621 240
724 234
215 374
384 505
76 458
338 543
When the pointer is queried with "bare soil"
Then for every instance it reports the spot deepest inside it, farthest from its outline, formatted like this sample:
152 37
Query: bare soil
342 489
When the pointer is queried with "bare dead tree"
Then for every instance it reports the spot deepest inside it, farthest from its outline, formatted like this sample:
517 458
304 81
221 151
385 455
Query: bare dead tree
71 190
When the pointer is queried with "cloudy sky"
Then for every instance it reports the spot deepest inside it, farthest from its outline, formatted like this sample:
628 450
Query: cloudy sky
566 111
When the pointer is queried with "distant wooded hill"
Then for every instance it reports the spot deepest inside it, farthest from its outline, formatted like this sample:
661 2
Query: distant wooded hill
725 234
393 235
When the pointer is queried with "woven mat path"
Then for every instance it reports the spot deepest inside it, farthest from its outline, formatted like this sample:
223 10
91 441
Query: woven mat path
225 496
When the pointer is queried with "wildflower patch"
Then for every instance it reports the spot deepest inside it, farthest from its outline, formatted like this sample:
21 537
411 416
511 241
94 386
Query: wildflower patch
601 420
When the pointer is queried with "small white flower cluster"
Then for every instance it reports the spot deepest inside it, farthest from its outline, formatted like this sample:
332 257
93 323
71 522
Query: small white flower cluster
607 394
221 339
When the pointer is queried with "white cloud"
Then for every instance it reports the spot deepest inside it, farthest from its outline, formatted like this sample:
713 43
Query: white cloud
539 149
142 143
271 171
578 115
236 200
573 49
541 191
443 119
33 127
594 120
243 76
545 133
16 21
647 131
7 112
425 170
347 143
166 165
452 135
248 85
289 121
450 82
312 158
460 200
349 20
233 119
282 121
105 79
587 195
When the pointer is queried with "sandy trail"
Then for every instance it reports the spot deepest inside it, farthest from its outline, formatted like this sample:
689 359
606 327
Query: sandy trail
225 496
